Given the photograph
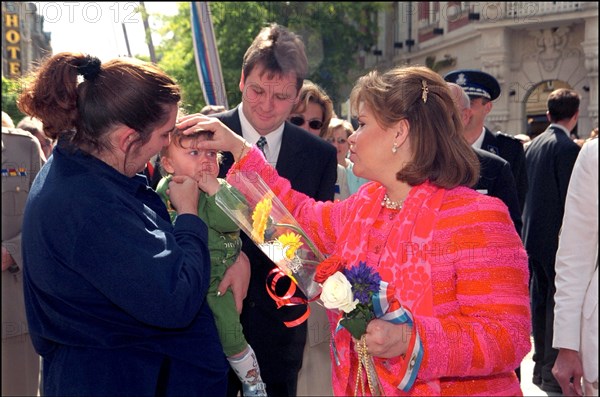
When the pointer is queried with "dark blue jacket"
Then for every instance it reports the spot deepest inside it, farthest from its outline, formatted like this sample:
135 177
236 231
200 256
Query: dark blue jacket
115 295
511 150
496 180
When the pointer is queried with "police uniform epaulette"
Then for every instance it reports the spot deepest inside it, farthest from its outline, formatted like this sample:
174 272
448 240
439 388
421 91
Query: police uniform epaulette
500 134
17 131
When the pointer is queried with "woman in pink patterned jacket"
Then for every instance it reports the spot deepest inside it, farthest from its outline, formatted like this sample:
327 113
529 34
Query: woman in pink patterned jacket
452 255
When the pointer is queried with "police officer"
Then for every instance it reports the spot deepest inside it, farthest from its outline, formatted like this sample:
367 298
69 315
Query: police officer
482 89
21 161
495 175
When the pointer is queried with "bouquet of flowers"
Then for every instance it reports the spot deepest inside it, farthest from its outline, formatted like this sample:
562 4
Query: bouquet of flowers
360 295
350 291
273 229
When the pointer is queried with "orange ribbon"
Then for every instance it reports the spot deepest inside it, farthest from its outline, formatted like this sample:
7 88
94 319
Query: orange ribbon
288 298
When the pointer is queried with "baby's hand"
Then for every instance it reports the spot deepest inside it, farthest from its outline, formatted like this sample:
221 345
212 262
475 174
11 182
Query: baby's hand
209 184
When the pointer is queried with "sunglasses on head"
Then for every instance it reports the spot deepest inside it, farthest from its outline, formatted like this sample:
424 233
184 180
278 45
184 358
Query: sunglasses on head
340 141
299 120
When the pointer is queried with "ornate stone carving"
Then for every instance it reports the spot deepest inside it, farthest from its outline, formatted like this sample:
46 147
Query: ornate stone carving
550 44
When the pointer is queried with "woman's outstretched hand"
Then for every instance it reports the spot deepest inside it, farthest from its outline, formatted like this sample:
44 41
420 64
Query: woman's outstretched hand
223 138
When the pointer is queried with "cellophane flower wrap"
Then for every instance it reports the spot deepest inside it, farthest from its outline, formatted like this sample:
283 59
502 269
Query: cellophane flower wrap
273 229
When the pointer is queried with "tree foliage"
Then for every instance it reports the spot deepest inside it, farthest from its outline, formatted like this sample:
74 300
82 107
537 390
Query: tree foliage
333 33
176 57
10 93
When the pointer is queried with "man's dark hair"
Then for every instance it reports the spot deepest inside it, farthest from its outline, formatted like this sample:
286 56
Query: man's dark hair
562 104
279 51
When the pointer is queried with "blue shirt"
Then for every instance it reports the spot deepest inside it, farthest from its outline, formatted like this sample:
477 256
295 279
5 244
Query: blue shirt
354 182
115 294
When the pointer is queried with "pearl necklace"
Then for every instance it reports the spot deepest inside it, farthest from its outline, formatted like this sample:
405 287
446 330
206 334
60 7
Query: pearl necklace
392 205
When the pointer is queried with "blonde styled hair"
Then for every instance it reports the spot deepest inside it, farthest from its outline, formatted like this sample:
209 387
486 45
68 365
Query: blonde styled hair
311 92
336 123
417 94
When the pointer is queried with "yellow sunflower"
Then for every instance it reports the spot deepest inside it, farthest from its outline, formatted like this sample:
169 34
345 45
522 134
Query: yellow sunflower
260 217
290 242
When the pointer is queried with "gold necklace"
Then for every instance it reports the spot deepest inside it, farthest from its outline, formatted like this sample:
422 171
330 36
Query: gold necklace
392 205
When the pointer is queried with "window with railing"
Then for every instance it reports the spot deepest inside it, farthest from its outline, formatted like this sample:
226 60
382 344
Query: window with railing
453 9
429 13
522 10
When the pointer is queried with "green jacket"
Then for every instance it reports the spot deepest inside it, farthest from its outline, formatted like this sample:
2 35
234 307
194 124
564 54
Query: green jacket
224 241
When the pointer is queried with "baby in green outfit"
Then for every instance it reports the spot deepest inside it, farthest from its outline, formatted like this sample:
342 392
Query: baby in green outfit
181 157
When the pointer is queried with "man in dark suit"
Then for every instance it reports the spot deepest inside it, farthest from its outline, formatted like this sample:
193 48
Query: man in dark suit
496 180
495 177
482 88
273 71
550 159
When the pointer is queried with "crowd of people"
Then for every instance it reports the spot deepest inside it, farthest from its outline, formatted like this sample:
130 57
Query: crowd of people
121 272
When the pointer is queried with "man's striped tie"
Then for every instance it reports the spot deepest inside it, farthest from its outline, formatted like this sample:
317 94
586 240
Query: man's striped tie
262 141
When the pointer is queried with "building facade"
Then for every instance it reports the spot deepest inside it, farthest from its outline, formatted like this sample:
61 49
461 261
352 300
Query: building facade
532 48
24 43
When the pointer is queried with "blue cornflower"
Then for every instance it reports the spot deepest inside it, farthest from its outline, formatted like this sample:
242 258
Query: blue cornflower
364 281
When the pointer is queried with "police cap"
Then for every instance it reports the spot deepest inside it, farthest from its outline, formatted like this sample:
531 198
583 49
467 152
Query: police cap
475 83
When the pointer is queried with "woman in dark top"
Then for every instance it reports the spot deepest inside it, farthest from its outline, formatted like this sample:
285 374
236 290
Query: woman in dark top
115 294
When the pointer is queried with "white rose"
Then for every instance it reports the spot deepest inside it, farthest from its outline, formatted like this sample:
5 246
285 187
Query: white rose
337 293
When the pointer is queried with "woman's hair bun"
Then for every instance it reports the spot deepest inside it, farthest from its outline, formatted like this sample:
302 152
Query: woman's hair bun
90 67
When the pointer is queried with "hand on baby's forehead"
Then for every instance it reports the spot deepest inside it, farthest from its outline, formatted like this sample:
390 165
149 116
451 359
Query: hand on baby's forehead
192 138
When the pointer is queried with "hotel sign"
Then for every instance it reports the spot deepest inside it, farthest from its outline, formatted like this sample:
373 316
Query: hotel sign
11 29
